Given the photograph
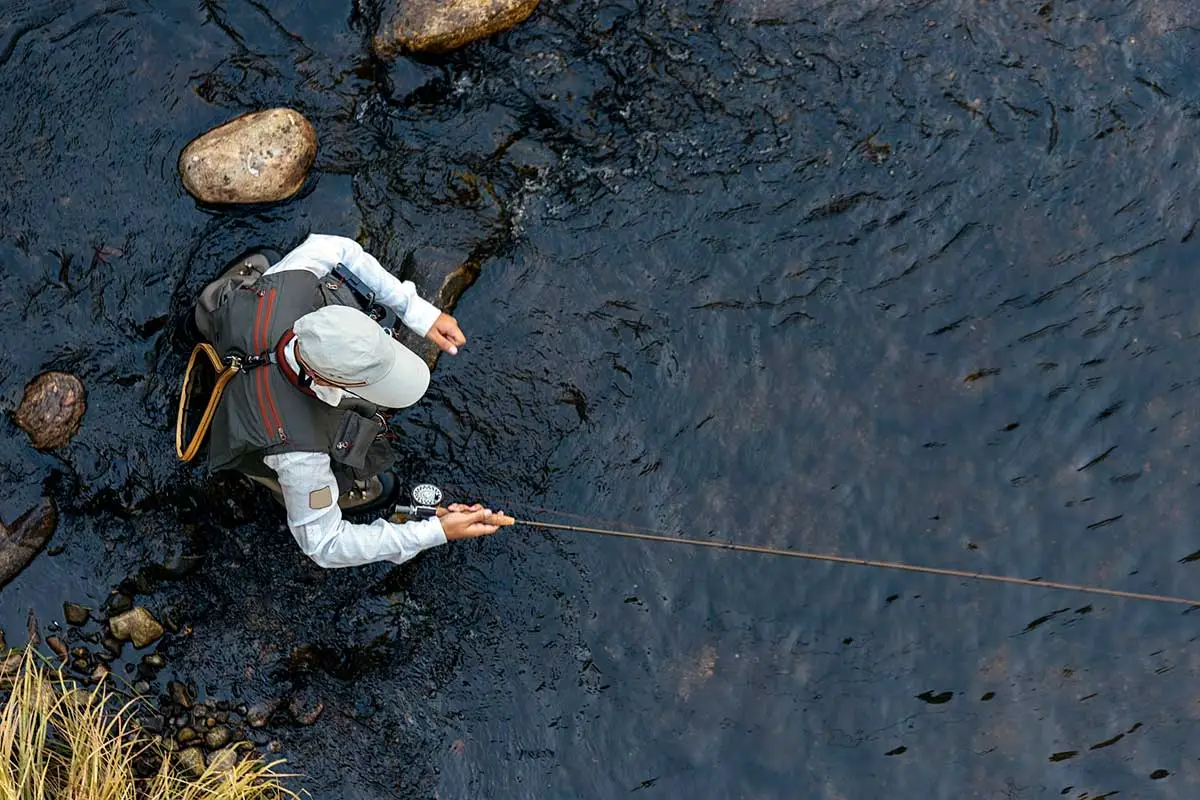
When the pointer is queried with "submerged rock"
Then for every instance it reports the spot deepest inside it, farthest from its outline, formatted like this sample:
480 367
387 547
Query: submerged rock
76 614
117 603
260 713
181 694
51 409
59 647
305 710
261 157
33 629
153 662
438 26
111 647
25 539
137 626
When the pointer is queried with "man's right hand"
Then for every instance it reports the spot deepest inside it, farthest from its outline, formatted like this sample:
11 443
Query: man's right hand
446 334
466 522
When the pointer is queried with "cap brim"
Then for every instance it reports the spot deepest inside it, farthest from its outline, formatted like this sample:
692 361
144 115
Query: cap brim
405 383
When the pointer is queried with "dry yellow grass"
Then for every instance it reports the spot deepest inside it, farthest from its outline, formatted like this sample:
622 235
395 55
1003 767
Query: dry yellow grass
59 741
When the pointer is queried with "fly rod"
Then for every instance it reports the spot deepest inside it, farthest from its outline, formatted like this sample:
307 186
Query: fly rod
425 504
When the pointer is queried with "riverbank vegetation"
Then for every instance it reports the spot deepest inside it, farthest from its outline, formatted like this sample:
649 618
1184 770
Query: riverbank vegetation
61 740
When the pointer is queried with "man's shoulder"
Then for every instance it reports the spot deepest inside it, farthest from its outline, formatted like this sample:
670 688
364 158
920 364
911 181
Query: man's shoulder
325 246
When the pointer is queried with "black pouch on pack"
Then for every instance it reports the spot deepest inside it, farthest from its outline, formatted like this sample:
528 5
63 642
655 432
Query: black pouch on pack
355 435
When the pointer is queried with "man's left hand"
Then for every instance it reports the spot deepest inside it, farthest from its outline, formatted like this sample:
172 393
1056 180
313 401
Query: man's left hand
446 334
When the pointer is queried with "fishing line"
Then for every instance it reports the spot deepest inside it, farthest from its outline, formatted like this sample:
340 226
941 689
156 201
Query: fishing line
867 562
426 498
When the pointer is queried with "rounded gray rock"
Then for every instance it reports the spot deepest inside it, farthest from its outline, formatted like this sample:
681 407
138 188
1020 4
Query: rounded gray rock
191 759
216 738
261 157
223 760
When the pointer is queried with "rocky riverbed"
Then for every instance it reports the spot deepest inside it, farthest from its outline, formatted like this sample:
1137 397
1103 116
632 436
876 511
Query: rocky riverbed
198 734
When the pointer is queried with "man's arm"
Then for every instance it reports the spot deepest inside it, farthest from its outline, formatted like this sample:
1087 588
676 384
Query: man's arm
320 253
310 495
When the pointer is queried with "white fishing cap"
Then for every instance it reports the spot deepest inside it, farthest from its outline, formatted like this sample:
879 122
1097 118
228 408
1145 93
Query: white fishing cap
343 346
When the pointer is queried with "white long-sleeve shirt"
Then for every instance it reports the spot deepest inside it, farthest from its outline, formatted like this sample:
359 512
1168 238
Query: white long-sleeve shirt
322 533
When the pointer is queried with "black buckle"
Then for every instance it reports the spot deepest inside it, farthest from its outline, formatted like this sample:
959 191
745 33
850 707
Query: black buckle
362 293
251 361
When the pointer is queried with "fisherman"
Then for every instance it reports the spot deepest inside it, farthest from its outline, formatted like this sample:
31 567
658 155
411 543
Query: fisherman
306 414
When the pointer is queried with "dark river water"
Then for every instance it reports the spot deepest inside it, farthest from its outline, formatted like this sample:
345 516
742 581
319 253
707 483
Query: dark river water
911 281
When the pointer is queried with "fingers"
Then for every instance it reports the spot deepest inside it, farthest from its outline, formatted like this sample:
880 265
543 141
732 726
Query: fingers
446 334
477 525
454 333
481 529
441 341
467 522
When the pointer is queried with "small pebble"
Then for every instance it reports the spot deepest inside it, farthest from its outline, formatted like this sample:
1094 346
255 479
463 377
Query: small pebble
304 710
118 603
58 646
181 695
260 713
76 614
11 663
216 738
136 625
